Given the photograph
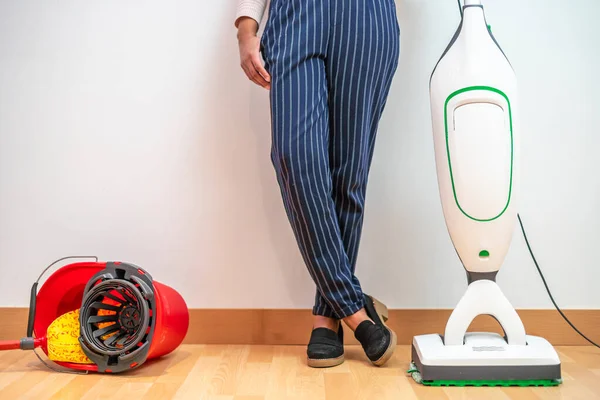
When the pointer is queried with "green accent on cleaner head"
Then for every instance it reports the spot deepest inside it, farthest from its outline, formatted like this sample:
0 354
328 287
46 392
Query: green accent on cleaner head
484 254
478 383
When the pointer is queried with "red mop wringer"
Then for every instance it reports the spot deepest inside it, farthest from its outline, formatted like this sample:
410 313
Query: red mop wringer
106 317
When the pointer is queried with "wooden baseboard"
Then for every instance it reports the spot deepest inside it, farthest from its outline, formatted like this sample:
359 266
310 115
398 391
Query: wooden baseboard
292 327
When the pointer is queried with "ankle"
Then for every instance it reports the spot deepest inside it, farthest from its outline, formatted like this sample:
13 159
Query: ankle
324 322
354 320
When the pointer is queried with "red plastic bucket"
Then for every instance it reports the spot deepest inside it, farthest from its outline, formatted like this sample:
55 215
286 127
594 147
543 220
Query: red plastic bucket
63 292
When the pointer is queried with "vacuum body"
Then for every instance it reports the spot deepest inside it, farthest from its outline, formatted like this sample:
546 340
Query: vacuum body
474 104
475 116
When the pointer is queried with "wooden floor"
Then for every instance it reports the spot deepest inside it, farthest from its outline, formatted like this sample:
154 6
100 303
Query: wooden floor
273 373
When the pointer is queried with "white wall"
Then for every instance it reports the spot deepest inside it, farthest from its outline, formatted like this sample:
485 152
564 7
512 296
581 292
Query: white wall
127 130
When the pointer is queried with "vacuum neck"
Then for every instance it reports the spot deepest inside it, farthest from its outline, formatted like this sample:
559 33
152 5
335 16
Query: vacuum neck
474 22
472 2
478 276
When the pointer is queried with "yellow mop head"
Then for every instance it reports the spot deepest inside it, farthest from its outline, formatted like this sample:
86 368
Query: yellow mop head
63 340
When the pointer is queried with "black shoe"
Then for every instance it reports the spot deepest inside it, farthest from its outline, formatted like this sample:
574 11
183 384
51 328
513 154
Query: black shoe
325 348
378 341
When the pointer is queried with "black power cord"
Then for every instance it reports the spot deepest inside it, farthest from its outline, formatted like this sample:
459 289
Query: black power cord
460 8
548 289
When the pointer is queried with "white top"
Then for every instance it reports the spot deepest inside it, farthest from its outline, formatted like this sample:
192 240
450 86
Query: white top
251 8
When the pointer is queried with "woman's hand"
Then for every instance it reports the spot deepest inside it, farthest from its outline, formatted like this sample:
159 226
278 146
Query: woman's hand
250 60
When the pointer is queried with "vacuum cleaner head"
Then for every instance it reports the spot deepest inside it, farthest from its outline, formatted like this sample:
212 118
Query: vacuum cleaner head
485 359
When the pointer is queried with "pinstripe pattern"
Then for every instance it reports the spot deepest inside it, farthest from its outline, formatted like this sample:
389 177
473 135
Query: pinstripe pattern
331 64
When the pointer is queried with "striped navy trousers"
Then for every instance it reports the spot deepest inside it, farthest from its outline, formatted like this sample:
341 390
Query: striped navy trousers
331 64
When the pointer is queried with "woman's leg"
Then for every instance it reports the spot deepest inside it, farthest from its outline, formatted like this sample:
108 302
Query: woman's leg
296 42
362 59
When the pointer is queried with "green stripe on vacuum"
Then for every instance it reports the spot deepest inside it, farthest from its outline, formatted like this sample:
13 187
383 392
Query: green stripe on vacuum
479 383
501 93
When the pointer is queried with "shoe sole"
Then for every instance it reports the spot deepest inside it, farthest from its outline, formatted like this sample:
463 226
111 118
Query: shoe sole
325 363
382 310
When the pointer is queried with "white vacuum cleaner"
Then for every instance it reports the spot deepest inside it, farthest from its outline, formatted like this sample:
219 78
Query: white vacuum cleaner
475 111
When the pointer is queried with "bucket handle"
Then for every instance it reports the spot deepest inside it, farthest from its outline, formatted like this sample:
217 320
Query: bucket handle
32 299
